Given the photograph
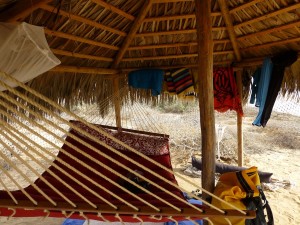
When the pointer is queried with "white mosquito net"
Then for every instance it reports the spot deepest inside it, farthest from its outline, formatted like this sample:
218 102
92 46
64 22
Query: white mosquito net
24 52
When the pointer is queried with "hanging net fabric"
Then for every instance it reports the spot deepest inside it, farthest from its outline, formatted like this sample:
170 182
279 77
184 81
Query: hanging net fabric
25 53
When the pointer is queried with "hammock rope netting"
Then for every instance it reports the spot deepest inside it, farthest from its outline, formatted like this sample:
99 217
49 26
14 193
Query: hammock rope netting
81 170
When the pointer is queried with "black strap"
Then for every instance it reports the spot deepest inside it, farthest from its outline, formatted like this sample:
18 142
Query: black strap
267 207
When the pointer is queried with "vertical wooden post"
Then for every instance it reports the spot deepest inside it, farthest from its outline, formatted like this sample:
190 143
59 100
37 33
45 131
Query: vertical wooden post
206 94
117 102
239 74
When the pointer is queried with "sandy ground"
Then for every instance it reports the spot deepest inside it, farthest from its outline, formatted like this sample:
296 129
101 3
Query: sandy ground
275 148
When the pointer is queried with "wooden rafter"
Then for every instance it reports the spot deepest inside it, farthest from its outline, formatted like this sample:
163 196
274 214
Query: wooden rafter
114 9
82 56
137 23
269 15
170 1
171 56
175 17
79 39
83 20
271 44
245 5
230 29
90 70
174 32
270 30
21 9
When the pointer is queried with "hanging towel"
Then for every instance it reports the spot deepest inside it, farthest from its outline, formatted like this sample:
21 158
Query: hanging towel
226 95
254 88
147 79
180 82
263 86
280 62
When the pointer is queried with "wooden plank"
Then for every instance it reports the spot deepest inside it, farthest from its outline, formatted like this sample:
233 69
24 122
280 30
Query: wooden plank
21 9
206 94
174 32
269 15
83 20
134 28
91 70
79 39
270 30
82 56
114 9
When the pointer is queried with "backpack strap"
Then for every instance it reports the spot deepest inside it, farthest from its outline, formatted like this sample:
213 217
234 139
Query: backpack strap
267 207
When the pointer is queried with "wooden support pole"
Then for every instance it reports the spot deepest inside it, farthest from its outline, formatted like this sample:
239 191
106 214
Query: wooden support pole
117 102
206 94
232 36
240 141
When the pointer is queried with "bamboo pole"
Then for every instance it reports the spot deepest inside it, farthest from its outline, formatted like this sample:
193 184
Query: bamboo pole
228 21
206 95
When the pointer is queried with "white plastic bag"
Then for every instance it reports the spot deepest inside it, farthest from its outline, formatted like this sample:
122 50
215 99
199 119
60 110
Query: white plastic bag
24 52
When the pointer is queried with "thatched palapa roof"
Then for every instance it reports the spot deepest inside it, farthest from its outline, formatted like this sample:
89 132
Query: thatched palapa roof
95 39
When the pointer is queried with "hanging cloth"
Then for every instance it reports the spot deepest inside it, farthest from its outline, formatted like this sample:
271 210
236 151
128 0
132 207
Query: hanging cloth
147 79
180 82
263 86
280 62
254 88
226 96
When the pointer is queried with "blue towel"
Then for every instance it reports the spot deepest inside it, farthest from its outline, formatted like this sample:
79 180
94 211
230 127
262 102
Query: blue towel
147 79
263 86
73 222
254 88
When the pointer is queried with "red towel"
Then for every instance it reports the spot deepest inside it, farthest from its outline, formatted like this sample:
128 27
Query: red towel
226 95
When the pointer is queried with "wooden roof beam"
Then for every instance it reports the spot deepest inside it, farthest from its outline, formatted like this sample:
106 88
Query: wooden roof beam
136 25
146 58
21 9
79 55
79 39
226 16
171 45
270 30
176 17
271 44
83 20
246 5
114 9
173 32
269 15
90 70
